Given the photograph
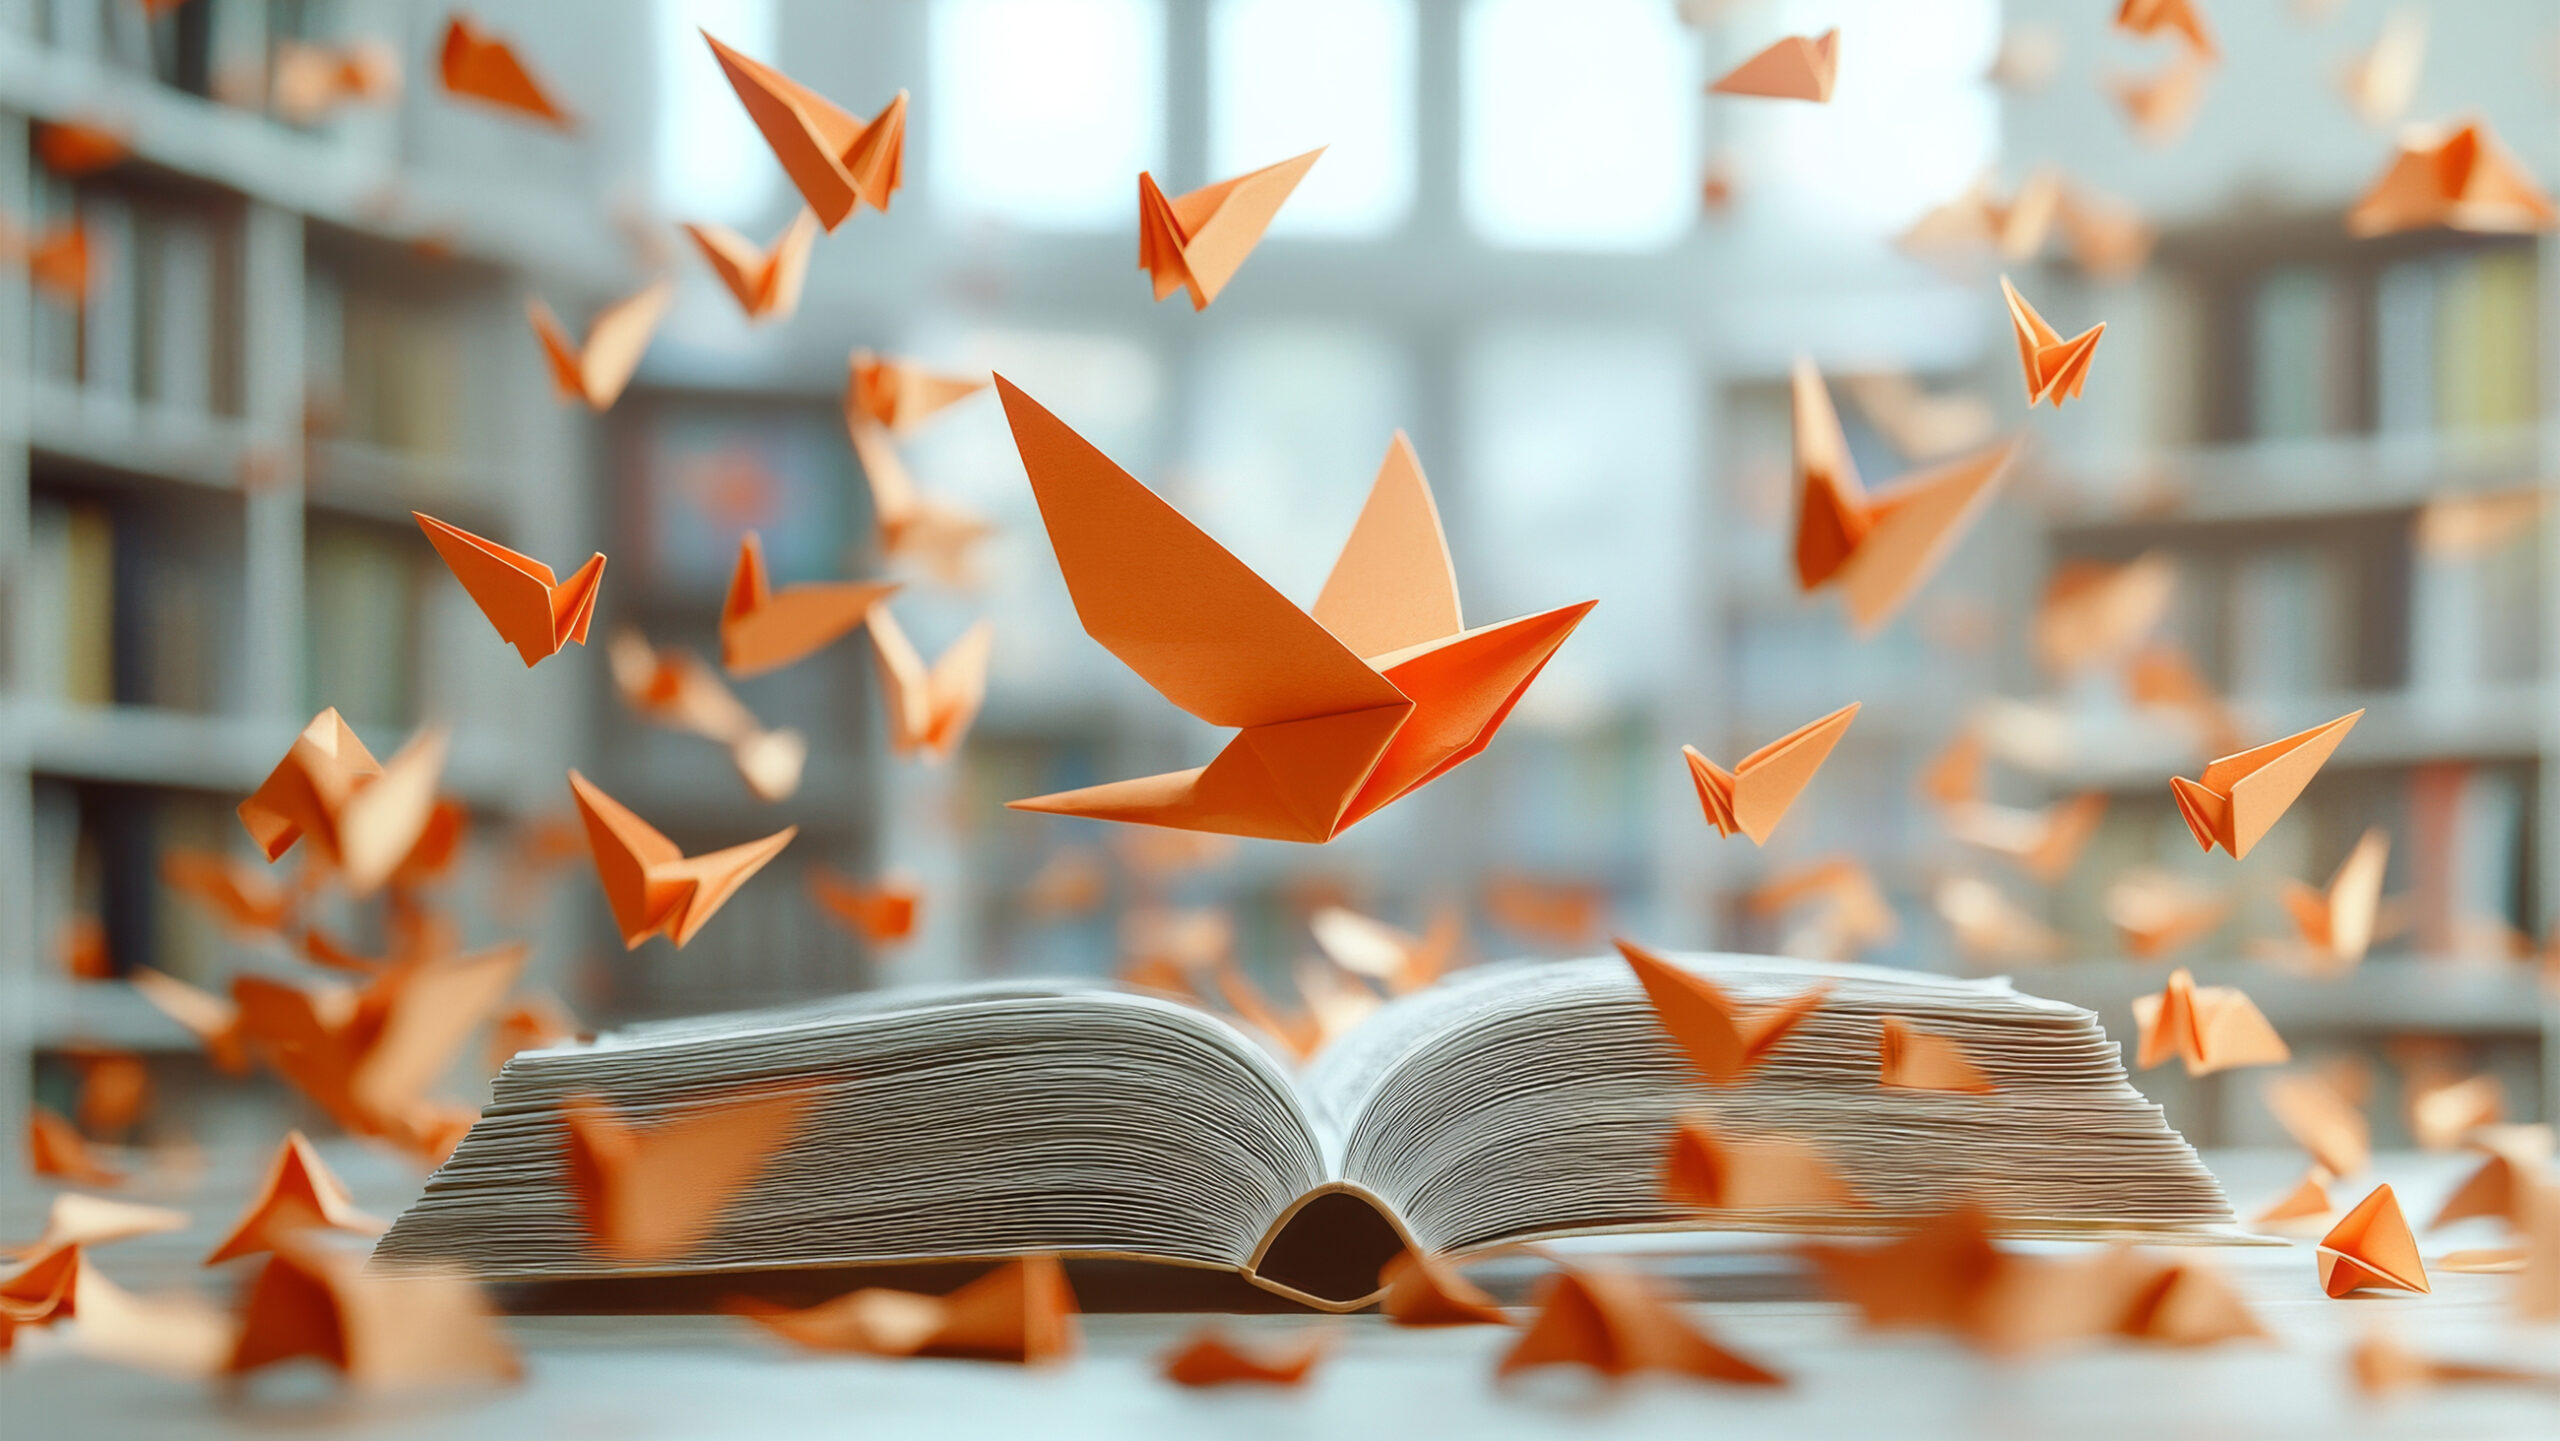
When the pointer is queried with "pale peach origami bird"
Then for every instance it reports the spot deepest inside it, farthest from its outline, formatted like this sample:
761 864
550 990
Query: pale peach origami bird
2169 17
1760 789
2094 613
379 1332
1797 67
308 80
177 1334
1911 1059
930 707
363 816
2156 913
2055 368
1196 242
2514 1159
1723 1039
1378 691
913 525
1022 1311
2455 176
2380 81
766 281
1209 1357
677 689
1424 1290
1731 1173
2371 1246
900 395
211 1019
2338 923
56 1148
1618 1323
2210 1028
764 629
299 1193
837 162
2241 797
1878 548
654 888
2043 842
597 371
2322 1121
533 610
882 912
651 1194
2308 1201
2162 105
1398 959
480 66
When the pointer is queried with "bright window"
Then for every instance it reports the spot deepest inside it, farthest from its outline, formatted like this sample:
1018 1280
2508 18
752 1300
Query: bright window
711 163
1581 121
1286 76
1043 112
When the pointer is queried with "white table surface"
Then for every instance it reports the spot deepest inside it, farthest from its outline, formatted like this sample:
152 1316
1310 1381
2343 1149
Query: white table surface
637 1378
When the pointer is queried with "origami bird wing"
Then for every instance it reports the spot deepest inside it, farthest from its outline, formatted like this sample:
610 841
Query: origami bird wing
1797 67
1393 586
532 612
899 394
814 138
709 880
958 687
1228 227
1831 514
1462 689
1718 1038
288 802
1288 780
479 65
766 282
2241 797
1767 781
1914 526
380 824
762 629
655 1194
616 340
630 857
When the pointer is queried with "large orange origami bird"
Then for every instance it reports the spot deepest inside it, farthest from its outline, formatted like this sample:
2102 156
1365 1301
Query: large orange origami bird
1376 692
838 163
1196 242
480 66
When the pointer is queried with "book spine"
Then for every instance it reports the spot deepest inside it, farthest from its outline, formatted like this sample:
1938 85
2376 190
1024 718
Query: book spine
109 322
2404 349
177 317
86 637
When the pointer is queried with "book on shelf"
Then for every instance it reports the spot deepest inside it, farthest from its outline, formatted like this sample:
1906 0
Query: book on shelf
2287 623
2294 373
361 620
2404 348
174 272
1511 1103
2487 342
71 593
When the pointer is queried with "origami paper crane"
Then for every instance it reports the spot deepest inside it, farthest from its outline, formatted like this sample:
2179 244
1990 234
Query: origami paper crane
2179 1303
2162 105
1912 1059
676 689
2094 613
1401 961
533 610
1757 793
1422 1290
653 1194
176 1335
246 900
765 281
379 1332
2055 368
1022 1312
363 816
2241 797
2443 1112
1197 241
308 81
1723 1040
2160 675
78 1220
2172 17
2211 1028
1208 1357
2503 1186
2371 1246
214 1021
882 912
900 395
1880 548
2338 923
2455 176
479 66
1377 692
56 1148
2157 914
763 629
1724 1173
930 708
2380 82
2323 1122
2107 238
299 1193
1798 67
2044 842
597 371
836 161
654 888
912 524
1618 1323
2307 1201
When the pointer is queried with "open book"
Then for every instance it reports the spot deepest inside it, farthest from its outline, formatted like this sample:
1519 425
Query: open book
1511 1103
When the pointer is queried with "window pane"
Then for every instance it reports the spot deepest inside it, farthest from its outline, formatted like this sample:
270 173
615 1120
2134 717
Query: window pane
1580 123
712 165
1044 111
1289 75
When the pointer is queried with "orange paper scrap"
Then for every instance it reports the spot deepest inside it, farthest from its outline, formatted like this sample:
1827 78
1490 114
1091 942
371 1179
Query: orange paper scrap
1723 1040
299 1193
1725 1173
1424 1290
1618 1324
1850 914
2371 1246
115 1089
1378 691
1196 242
881 912
597 371
1912 1059
245 899
2044 843
55 1148
767 281
2169 17
2107 238
837 162
2211 1028
1559 912
1396 958
58 261
479 66
214 1021
2338 923
383 1332
1954 775
2242 796
1881 547
2382 1366
1208 1357
2307 1201
1990 925
364 816
930 707
1797 67
309 81
2163 104
1756 794
2444 1114
2055 368
1919 424
763 629
912 525
2380 82
76 148
1961 230
177 1335
2094 613
2323 1122
533 610
1021 1312
2459 177
2161 675
2516 1159
1946 1274
675 688
654 888
2538 1288
900 395
78 1220
652 1195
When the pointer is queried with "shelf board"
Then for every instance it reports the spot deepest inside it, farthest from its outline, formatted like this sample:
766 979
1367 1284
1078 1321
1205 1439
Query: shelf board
141 745
97 431
378 482
2397 994
103 1013
2279 480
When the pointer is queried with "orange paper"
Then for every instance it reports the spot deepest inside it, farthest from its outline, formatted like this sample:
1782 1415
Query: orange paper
1724 1173
649 1196
2027 60
2211 1028
2503 1186
214 1021
1196 242
2380 81
2157 914
1398 959
2169 17
675 688
2055 368
1721 1039
2442 1113
2242 796
176 1335
309 81
2307 1201
1378 691
900 395
378 1331
2094 613
1797 67
881 912
1912 1059
1209 1358
245 899
2161 675
115 1089
1423 1290
2163 104
1618 1324
364 816
2323 1122
930 708
55 1148
2459 177
2371 1246
1989 924
58 262
2044 843
1021 1312
654 888
534 611
2382 1366
1946 1274
76 148
2338 923
837 162
2108 239
300 1192
1756 794
912 525
766 282
477 65
597 371
763 629
78 1220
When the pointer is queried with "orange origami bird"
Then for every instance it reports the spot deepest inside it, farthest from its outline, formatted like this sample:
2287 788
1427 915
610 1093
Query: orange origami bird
1757 793
616 339
1197 241
178 1335
77 1220
837 162
2455 176
2322 1121
2157 914
2177 17
1423 1290
912 524
2108 239
75 148
2094 613
1022 1312
762 629
214 1021
2242 796
1878 548
765 281
367 1056
299 1193
1398 959
930 708
56 1148
2211 1028
58 262
1618 1323
2338 923
2307 1201
2371 1246
363 816
1723 1173
1378 691
675 688
1720 1038
1911 1059
308 81
2503 1186
2162 105
380 1332
533 610
654 888
1208 1358
1795 68
245 899
2044 842
2055 368
881 912
900 394
651 1195
477 65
